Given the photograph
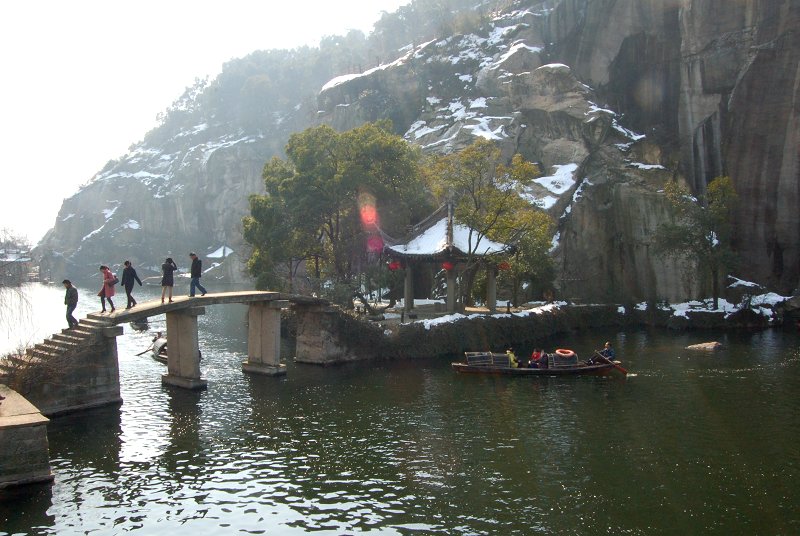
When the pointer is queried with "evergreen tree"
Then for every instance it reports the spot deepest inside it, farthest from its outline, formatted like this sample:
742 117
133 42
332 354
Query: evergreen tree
328 204
701 229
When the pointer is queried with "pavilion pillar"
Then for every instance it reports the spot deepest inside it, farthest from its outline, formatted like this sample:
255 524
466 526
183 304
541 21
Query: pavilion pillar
264 338
408 289
451 291
491 289
183 349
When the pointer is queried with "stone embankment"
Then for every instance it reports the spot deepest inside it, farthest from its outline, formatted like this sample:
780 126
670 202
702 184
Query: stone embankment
342 338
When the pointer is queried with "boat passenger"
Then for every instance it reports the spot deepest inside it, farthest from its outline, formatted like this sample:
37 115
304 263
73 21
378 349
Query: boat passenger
536 358
512 359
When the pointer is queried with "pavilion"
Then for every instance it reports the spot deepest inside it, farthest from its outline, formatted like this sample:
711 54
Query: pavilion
440 239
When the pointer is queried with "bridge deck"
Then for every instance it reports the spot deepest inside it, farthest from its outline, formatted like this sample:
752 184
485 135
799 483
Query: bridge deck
147 309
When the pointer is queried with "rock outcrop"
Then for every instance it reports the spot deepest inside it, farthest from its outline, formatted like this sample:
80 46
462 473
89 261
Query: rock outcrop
720 78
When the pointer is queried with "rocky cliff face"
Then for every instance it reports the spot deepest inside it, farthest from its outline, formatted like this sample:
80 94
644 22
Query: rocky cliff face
161 201
601 179
714 83
610 97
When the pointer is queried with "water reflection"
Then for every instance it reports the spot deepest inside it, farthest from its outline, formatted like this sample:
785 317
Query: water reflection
693 443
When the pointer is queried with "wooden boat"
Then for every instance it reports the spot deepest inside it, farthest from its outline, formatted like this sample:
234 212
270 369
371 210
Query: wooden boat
160 349
558 364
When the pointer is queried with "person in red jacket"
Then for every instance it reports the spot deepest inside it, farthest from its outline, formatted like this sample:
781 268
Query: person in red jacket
109 280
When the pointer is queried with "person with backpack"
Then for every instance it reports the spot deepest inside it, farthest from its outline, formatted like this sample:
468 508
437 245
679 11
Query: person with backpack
109 280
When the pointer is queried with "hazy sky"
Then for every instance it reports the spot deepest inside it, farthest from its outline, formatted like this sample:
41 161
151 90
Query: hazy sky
83 80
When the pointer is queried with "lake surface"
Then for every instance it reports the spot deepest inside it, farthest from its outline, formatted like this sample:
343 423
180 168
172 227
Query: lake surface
689 443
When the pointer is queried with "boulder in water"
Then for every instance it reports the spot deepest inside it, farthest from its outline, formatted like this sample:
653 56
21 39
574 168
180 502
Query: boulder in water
705 346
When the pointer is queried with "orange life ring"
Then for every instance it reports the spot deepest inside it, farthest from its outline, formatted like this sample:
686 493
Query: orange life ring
562 352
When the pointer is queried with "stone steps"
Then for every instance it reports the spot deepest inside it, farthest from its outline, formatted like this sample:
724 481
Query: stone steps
14 361
43 353
48 346
60 344
69 338
85 332
96 319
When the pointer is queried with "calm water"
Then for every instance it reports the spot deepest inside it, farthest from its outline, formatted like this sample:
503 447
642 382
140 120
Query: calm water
688 444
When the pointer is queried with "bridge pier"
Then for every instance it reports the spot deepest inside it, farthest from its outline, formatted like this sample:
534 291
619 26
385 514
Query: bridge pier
264 338
183 349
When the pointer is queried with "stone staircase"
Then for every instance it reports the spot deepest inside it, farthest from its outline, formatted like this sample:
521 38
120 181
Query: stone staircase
68 341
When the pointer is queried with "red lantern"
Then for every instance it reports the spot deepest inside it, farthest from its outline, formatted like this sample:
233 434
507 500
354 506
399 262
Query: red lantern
447 265
504 266
394 265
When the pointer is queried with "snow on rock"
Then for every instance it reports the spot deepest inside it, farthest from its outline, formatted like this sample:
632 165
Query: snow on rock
560 181
646 167
220 253
339 80
763 305
555 242
108 212
554 67
742 283
420 129
513 50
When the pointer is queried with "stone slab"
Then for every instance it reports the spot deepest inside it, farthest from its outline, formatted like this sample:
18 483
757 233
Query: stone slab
260 368
24 457
15 410
155 307
186 383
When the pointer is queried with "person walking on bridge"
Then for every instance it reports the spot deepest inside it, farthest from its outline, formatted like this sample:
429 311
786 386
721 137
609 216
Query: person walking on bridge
71 301
196 272
109 280
128 278
167 280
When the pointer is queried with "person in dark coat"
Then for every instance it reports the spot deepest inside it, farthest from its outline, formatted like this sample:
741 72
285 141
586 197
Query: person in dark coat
196 272
128 278
167 280
71 301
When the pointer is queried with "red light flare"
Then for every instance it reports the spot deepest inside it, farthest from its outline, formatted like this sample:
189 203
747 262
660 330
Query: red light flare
367 211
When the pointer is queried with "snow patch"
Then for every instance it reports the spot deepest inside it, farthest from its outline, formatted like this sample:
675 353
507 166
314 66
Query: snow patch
220 253
339 80
560 181
639 165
